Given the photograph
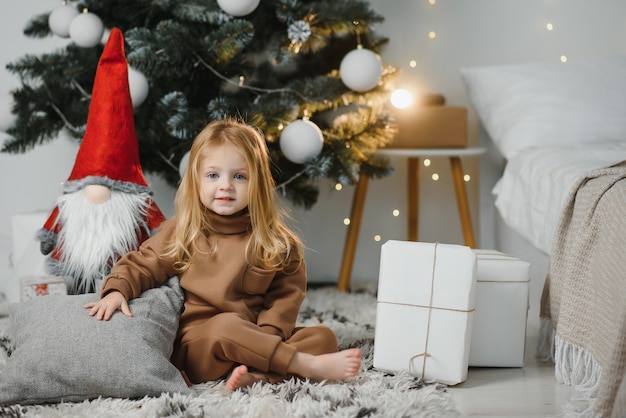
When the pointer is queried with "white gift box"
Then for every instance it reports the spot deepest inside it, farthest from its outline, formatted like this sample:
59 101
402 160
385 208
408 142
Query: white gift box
425 310
499 329
25 258
36 286
24 235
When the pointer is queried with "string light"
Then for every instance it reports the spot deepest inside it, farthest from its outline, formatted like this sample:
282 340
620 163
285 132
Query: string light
550 27
241 79
395 213
346 221
435 176
432 34
426 162
338 186
467 177
401 98
412 63
377 238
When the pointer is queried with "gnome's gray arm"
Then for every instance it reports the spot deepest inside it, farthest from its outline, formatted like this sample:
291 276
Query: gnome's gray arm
48 240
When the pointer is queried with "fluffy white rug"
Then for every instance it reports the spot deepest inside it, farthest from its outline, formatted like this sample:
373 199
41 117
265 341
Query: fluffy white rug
370 394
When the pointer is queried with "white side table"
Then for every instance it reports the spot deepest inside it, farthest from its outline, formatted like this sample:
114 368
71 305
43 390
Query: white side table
413 155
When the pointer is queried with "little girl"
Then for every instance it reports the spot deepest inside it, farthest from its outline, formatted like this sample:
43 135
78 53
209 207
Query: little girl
241 267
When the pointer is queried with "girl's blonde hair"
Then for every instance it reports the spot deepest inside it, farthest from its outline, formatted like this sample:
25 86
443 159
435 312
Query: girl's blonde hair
272 243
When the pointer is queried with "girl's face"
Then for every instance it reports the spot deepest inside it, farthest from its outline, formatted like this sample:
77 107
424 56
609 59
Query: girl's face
224 179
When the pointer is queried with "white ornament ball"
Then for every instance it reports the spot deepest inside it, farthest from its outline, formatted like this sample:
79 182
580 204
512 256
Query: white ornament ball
7 118
360 70
184 162
60 19
301 141
238 7
138 85
86 30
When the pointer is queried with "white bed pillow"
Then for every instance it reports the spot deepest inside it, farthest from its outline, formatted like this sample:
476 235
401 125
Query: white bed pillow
545 104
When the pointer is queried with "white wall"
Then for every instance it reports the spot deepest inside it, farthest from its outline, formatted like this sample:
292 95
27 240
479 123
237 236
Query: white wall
468 33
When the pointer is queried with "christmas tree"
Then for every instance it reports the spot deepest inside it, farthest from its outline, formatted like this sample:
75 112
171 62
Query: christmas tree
299 70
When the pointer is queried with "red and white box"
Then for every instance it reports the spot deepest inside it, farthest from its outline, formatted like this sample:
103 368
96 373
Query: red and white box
425 310
499 331
36 286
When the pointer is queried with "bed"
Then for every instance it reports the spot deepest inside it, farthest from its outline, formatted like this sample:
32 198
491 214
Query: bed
561 130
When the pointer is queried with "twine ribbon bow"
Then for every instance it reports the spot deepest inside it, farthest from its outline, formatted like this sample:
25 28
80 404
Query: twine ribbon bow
425 354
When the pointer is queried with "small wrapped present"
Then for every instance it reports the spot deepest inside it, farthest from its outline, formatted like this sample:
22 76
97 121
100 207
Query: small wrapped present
35 286
425 310
499 330
431 127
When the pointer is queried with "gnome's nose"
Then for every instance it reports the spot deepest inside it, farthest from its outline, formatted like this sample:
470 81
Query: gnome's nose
97 194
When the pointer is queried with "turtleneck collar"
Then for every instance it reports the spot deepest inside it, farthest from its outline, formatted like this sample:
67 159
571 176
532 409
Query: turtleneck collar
238 223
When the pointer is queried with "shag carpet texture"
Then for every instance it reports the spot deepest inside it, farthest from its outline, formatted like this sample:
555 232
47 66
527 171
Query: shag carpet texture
370 394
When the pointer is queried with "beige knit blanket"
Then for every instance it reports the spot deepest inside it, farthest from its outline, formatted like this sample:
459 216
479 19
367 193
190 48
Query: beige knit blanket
584 299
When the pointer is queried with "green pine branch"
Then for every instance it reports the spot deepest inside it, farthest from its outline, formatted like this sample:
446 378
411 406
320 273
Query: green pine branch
276 65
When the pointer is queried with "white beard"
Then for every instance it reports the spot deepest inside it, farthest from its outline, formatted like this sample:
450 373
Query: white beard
94 236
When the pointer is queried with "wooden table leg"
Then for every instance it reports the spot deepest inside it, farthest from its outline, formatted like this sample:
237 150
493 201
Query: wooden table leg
352 237
461 199
413 182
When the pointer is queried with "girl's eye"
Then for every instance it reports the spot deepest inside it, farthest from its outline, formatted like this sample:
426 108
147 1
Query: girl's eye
240 176
212 175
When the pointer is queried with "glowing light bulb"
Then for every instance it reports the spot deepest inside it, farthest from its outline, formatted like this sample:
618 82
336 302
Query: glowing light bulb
435 176
395 213
432 1
432 34
401 98
377 238
467 177
563 58
412 63
426 162
338 186
346 221
549 26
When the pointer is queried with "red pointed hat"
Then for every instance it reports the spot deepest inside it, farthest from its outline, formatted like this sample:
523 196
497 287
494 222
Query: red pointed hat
109 151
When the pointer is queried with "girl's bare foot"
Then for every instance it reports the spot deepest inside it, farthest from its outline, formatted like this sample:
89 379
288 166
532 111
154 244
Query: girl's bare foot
332 366
240 377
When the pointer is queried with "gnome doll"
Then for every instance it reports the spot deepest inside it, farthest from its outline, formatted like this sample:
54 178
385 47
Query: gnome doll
106 208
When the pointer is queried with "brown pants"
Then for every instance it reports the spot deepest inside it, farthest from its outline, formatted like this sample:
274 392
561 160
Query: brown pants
211 350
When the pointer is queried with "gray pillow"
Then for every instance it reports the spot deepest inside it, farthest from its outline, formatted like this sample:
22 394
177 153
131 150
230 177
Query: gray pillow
60 353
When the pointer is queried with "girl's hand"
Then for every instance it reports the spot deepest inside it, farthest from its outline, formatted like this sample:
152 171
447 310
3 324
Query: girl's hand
105 307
